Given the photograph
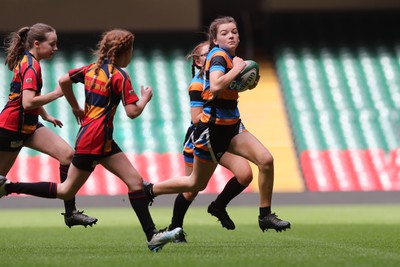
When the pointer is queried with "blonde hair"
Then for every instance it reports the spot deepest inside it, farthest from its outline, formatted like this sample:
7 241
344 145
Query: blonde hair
112 44
18 42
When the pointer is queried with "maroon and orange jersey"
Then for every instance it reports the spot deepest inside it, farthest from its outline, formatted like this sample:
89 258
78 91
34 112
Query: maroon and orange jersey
27 76
96 133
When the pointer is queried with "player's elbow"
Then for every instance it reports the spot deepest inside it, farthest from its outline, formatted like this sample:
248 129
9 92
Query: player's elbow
27 105
132 114
214 89
64 80
133 110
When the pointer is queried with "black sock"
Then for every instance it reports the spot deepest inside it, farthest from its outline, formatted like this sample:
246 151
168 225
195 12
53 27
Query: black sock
139 203
231 190
181 206
68 204
265 211
41 189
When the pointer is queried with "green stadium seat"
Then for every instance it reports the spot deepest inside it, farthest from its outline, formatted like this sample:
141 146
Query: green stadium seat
343 98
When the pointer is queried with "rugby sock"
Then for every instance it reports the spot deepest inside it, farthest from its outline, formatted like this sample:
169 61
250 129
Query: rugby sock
41 189
231 190
139 203
264 211
181 206
68 204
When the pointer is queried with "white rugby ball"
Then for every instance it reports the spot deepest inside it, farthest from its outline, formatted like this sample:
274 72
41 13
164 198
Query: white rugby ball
247 77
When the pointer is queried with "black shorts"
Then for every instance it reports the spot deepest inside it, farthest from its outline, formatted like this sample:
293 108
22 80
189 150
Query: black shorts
188 146
88 162
212 141
188 133
13 141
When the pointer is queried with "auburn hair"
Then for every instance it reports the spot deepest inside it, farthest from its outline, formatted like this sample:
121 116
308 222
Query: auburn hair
113 44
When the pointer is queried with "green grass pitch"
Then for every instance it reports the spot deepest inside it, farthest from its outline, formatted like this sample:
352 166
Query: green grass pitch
329 235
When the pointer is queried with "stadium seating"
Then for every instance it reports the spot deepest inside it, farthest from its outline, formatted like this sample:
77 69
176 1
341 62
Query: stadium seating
343 104
342 101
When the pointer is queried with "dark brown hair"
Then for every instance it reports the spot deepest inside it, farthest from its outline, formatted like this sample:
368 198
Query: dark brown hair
213 30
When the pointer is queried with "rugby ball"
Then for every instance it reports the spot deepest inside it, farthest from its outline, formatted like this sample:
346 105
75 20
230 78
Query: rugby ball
247 77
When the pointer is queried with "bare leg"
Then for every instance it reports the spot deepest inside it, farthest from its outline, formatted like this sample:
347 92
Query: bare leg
47 142
195 182
7 161
246 145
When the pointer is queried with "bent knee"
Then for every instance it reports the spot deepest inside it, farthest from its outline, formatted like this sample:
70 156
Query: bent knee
245 178
190 196
66 156
197 187
266 162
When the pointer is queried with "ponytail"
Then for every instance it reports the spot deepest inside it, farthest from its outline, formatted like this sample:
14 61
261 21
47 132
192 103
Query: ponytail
18 42
15 46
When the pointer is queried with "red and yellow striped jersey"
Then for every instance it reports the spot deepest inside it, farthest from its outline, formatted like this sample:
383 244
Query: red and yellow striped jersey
27 76
96 133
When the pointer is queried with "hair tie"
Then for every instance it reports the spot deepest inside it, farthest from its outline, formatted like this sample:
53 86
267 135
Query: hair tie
110 75
94 77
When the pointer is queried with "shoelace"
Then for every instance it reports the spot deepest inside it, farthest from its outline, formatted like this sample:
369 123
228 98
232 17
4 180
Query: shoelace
275 218
160 231
77 213
166 230
81 213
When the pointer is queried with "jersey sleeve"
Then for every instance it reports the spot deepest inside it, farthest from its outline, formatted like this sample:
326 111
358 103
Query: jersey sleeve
195 93
128 95
78 75
218 63
30 79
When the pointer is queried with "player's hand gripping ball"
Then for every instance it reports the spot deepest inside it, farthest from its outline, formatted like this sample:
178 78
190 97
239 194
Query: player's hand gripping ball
248 77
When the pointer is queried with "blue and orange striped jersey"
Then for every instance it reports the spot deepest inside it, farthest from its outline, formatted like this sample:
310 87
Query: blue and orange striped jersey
196 100
96 133
27 76
220 108
196 91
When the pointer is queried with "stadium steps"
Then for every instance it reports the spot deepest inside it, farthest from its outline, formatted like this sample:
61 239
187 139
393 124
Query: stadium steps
264 115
